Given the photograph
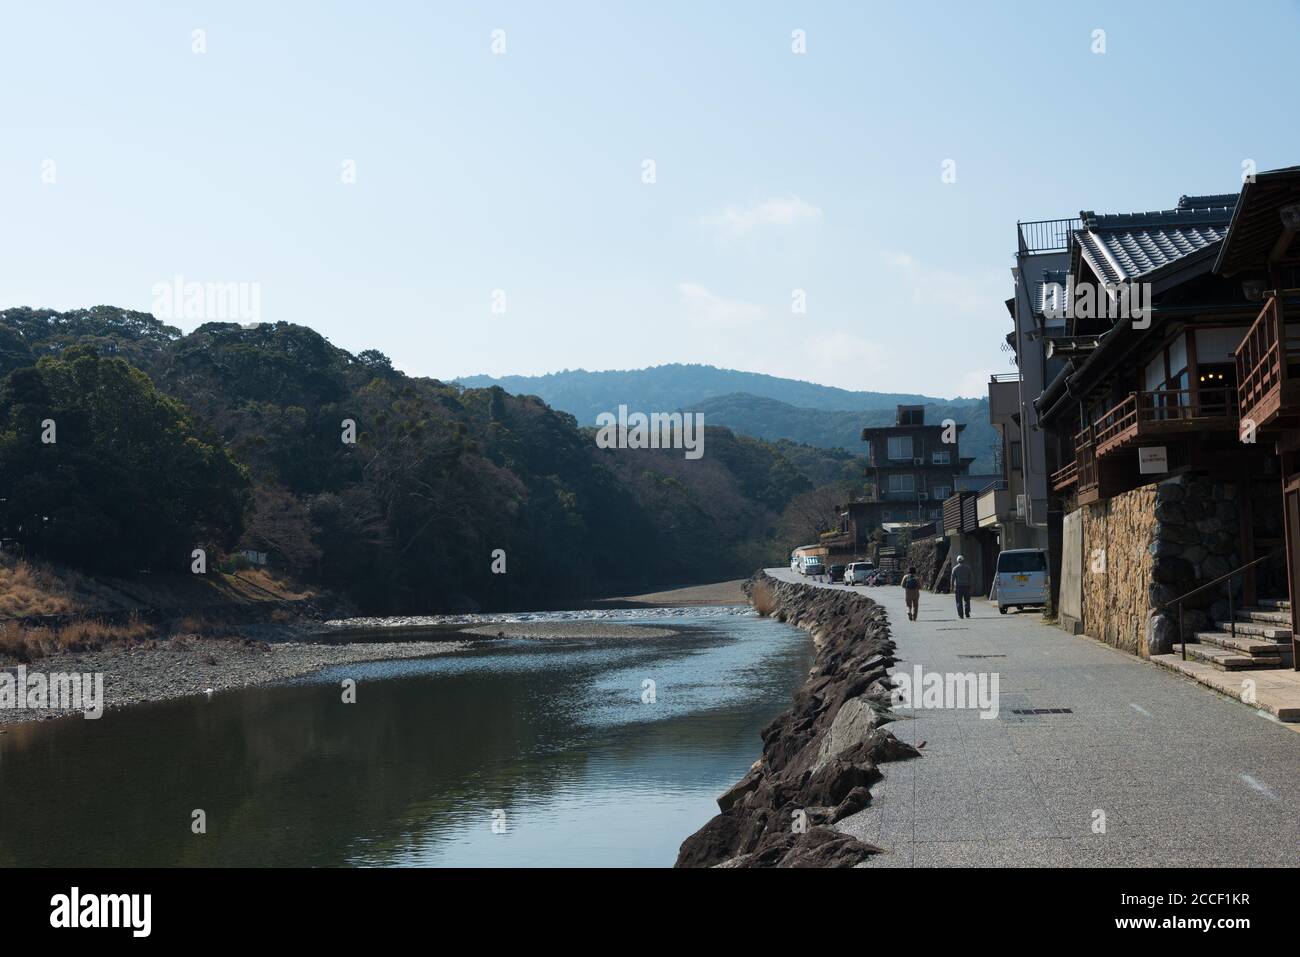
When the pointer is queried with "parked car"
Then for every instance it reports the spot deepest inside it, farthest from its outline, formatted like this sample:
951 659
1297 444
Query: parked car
1020 580
836 573
813 565
858 572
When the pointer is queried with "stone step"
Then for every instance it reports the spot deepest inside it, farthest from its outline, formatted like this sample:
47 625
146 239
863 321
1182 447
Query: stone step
1269 616
1275 603
1256 628
1283 701
1245 644
1226 660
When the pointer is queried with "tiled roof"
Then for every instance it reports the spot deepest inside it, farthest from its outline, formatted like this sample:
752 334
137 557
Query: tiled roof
1256 223
1121 247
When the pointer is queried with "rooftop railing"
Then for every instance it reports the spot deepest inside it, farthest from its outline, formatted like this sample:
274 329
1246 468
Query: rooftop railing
1047 235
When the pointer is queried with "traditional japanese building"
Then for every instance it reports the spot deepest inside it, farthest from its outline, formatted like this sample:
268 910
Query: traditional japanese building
1169 427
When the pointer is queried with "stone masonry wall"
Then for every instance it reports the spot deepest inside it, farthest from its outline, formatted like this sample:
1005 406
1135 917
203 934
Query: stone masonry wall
928 556
1148 546
1117 567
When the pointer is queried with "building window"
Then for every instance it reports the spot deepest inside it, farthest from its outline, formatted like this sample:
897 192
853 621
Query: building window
941 492
941 458
902 483
1016 461
1167 376
900 447
886 516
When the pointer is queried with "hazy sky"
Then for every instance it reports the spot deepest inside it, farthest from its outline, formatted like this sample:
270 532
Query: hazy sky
523 171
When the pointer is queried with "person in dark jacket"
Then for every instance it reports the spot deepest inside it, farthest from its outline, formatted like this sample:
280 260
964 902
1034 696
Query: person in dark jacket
912 593
962 580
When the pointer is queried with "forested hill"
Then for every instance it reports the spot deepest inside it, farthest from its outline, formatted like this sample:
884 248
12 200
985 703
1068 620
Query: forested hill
751 403
233 437
585 394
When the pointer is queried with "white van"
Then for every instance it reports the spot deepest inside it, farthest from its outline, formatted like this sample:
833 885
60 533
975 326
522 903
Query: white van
1021 579
858 572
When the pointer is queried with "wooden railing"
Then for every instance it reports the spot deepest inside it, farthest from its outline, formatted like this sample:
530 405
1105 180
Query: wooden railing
1085 459
1264 354
1143 411
1117 420
1065 477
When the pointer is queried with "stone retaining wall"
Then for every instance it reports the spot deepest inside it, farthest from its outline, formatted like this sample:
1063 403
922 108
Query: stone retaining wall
929 556
1150 545
819 757
1117 568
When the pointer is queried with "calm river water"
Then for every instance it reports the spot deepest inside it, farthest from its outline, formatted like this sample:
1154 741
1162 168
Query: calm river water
513 754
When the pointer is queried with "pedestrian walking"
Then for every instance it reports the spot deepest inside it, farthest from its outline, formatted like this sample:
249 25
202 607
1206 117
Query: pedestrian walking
912 593
963 577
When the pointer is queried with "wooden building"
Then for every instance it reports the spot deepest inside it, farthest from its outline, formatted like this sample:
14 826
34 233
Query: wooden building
1172 537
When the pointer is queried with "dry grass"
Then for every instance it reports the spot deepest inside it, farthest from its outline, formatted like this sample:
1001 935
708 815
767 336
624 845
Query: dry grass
268 581
763 598
28 644
27 590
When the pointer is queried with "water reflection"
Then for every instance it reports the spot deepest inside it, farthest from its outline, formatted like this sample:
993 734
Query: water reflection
554 735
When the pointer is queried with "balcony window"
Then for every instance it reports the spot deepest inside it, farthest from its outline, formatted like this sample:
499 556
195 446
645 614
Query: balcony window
941 458
902 483
900 447
1167 375
1214 346
1154 380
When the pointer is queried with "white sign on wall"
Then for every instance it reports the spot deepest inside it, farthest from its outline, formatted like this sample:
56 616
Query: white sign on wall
1153 460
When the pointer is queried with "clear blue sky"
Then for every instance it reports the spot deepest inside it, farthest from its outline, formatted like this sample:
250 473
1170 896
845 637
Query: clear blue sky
523 171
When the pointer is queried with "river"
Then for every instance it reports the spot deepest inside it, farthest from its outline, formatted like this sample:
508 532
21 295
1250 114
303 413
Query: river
515 753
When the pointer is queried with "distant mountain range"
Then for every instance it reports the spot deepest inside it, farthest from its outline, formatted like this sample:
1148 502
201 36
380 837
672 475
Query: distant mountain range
750 403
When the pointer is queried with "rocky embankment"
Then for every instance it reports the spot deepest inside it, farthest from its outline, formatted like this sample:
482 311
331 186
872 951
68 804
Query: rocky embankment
819 757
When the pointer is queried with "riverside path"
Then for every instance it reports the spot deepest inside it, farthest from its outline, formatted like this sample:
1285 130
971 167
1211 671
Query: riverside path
1145 769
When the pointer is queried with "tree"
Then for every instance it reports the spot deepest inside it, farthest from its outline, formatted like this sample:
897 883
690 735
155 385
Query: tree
101 470
281 525
809 514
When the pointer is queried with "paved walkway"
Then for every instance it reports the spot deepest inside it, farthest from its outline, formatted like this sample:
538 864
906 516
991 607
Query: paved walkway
1184 776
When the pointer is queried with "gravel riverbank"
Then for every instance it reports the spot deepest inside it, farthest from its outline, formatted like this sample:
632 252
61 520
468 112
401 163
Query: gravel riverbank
189 666
192 665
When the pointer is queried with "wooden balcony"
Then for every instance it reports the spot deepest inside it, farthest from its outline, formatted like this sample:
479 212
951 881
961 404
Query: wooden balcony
1066 477
1085 459
1268 368
1165 413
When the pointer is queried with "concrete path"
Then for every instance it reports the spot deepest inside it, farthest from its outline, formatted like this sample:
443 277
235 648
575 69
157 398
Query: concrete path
1183 776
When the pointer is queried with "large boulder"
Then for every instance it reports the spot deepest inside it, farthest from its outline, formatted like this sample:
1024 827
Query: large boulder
1161 632
852 725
